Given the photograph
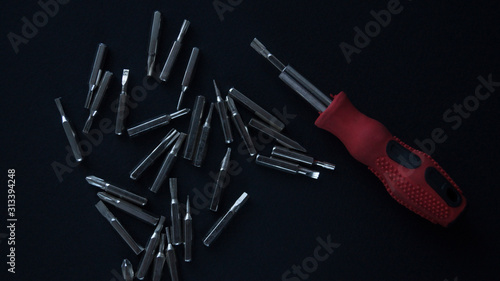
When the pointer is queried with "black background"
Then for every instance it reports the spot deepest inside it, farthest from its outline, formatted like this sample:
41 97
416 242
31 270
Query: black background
426 60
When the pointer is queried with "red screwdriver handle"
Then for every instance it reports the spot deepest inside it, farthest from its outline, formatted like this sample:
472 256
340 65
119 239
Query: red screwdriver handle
410 176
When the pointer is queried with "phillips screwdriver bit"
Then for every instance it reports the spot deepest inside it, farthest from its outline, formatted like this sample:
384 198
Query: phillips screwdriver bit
128 208
117 191
127 270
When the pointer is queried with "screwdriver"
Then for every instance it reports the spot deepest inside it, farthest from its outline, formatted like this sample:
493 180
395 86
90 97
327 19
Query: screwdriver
410 176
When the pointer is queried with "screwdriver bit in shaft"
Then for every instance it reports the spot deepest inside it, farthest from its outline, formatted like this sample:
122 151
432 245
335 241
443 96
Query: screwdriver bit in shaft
285 166
97 100
188 233
221 180
174 52
222 110
149 252
117 191
95 74
70 133
298 157
122 104
153 42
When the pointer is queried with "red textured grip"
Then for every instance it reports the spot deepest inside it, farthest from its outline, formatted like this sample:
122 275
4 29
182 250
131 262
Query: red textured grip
366 140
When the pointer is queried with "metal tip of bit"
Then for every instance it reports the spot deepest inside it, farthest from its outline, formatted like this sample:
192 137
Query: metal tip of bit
217 91
127 270
261 49
59 106
125 79
184 28
88 124
325 165
181 97
180 113
309 173
95 181
153 42
188 206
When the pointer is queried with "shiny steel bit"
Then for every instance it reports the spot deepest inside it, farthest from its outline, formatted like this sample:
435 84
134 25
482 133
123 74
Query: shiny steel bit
298 157
121 113
188 233
128 208
240 126
70 133
175 213
153 42
97 100
222 110
190 69
159 260
168 163
118 227
149 252
156 122
256 109
172 56
194 127
171 259
165 143
285 166
117 191
201 149
217 228
279 137
127 270
221 180
94 75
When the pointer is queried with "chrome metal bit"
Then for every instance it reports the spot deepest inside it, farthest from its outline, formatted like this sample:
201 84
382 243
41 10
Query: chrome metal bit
188 75
97 100
279 137
298 157
115 190
174 52
127 270
95 74
118 227
217 228
188 233
222 110
171 259
70 133
175 214
156 122
240 126
285 166
256 109
194 127
201 148
128 208
221 179
159 260
168 163
149 252
153 42
165 143
121 113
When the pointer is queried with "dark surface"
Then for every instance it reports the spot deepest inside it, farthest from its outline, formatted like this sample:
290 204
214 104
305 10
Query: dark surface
423 62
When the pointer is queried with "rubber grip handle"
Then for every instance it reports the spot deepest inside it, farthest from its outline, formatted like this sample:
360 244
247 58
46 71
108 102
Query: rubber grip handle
410 176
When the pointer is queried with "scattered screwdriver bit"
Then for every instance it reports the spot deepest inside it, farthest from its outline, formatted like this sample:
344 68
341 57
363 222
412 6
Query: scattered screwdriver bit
168 163
153 42
240 126
127 270
201 148
194 127
175 214
165 143
156 122
298 157
188 233
149 252
159 260
95 74
70 133
171 258
222 110
174 52
217 228
118 227
128 208
279 137
221 180
117 191
97 100
188 75
285 166
122 104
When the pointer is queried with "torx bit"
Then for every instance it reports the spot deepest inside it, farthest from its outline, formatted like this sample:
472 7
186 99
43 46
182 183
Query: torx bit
95 74
118 227
156 122
285 166
128 208
127 270
149 252
70 133
175 214
298 157
188 233
240 126
171 259
190 69
172 56
153 42
201 149
165 143
279 137
115 190
97 100
121 113
168 163
221 180
159 260
256 109
194 127
222 110
217 228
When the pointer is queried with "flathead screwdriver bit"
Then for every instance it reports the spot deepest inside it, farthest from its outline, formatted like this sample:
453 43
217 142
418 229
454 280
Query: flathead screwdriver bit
70 133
